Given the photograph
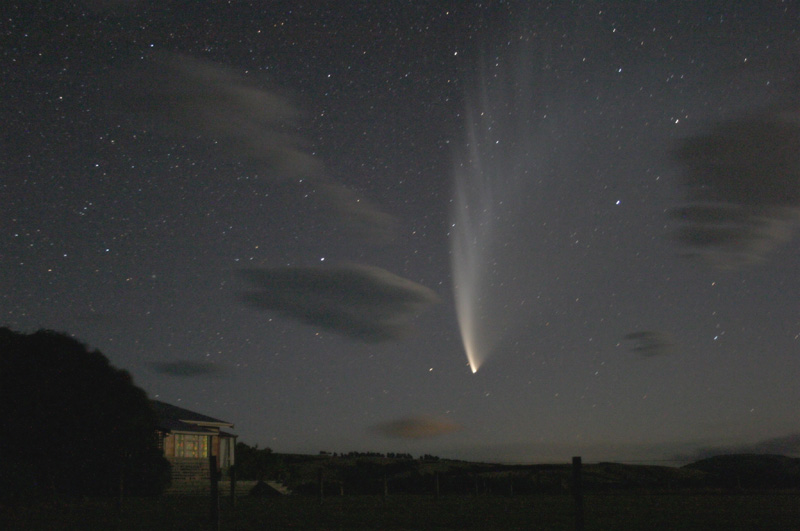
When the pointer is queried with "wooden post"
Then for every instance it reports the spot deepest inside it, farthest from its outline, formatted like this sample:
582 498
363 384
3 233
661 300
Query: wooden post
577 492
214 490
436 477
385 486
232 474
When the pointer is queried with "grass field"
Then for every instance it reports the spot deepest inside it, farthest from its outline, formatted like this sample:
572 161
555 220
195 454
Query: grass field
762 511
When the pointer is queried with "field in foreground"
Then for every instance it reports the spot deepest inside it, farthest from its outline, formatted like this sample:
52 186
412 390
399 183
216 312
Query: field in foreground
761 511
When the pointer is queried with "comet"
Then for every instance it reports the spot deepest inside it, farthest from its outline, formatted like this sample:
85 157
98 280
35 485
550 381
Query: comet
494 167
471 231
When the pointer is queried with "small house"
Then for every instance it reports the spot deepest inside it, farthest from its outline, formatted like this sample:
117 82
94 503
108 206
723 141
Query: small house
188 439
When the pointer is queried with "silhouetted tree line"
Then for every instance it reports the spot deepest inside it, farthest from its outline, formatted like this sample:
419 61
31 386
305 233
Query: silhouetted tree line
254 463
363 454
388 455
71 423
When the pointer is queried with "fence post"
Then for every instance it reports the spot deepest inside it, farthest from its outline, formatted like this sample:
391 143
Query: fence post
577 492
214 490
232 474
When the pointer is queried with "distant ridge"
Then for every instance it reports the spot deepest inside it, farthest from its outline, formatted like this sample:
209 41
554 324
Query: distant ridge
750 471
371 473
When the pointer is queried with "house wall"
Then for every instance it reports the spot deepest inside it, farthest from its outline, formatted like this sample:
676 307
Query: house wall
189 470
169 445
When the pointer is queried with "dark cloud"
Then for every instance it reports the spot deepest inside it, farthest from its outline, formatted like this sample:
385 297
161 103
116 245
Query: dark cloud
651 343
240 121
417 428
742 183
363 302
788 445
185 368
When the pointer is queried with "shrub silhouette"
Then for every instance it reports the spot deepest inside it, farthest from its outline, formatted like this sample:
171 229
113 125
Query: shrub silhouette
71 423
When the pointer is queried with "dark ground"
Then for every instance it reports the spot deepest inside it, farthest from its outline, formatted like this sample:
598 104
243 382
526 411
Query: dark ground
608 512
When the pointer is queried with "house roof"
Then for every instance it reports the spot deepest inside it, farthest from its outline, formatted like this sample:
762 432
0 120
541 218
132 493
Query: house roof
183 419
176 426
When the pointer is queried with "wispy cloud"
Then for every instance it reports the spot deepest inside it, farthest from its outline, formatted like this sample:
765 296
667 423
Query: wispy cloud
241 121
363 302
417 427
651 343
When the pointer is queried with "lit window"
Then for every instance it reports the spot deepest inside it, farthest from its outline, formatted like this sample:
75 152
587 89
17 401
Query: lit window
191 445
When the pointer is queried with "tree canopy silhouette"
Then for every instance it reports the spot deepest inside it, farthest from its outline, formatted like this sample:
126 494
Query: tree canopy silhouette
71 423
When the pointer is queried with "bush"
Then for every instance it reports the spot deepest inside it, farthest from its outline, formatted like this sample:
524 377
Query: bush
72 424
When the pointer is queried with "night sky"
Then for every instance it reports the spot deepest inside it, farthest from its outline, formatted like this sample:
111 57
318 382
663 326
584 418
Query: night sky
266 212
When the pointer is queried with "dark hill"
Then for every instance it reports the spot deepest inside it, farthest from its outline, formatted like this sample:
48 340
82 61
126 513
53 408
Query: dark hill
369 474
373 473
750 471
